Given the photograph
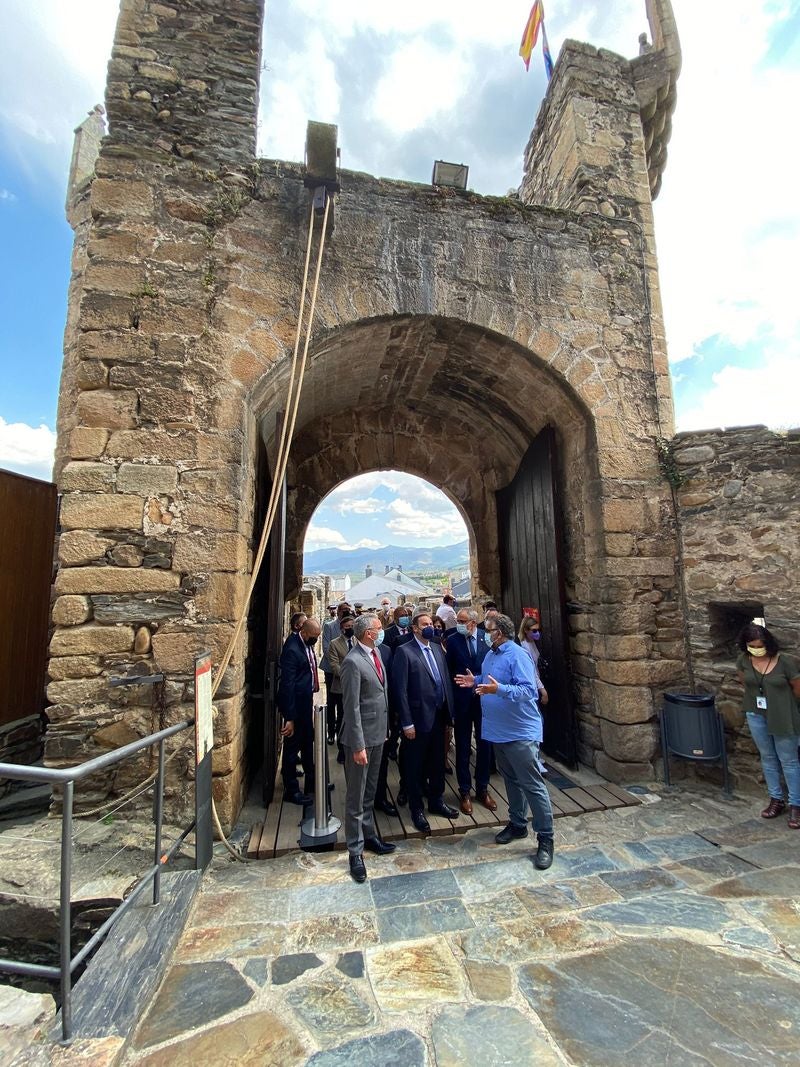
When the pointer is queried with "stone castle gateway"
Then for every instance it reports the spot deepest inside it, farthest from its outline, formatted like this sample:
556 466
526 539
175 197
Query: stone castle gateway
525 333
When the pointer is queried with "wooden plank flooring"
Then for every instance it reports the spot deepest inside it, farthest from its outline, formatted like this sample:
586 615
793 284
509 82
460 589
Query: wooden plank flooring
279 833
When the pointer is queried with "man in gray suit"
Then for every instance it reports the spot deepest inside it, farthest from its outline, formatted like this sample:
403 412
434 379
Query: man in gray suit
365 687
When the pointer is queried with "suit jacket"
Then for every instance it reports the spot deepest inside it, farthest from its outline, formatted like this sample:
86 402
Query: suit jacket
365 700
459 661
414 689
392 637
337 650
296 683
331 628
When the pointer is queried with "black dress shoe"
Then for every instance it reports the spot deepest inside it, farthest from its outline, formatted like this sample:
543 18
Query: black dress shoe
297 798
510 832
340 757
380 848
386 808
358 872
421 823
402 797
440 808
544 854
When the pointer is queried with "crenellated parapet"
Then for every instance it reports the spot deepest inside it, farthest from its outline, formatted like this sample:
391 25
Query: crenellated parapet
655 76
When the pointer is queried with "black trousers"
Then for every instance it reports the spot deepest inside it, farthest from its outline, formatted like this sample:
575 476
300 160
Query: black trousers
301 742
423 762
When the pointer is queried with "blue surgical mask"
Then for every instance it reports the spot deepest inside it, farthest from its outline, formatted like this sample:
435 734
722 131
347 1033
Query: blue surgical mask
488 637
403 621
379 638
462 628
428 632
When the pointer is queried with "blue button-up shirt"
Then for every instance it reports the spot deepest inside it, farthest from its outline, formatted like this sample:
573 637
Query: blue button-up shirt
512 713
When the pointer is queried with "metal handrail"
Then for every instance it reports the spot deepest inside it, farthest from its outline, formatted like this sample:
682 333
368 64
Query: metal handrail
67 776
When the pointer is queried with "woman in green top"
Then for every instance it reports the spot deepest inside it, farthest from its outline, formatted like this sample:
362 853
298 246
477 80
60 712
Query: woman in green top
771 682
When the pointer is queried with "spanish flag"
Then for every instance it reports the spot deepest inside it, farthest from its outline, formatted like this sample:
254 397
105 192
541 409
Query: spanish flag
531 34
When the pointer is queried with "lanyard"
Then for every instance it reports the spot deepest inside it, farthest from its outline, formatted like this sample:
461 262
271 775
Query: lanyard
762 673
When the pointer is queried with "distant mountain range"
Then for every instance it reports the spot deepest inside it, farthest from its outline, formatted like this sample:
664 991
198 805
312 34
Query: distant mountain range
353 561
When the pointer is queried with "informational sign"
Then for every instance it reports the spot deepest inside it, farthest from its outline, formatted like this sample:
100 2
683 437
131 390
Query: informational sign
204 744
203 712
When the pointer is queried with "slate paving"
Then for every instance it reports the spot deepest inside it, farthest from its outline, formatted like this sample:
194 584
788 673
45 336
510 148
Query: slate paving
663 934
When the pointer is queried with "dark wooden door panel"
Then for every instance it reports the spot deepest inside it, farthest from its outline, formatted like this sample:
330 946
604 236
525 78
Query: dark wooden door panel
532 576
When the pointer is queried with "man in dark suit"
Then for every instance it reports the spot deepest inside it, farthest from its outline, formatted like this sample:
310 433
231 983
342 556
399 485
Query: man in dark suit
365 696
400 630
299 681
424 698
466 650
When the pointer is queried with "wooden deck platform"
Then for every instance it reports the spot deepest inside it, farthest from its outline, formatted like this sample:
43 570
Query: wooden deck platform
279 833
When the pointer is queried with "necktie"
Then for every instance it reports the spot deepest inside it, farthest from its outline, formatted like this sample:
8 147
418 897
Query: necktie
349 642
312 662
435 674
472 648
378 666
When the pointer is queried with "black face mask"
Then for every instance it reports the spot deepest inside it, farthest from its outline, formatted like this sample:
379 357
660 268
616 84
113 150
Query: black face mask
348 632
311 641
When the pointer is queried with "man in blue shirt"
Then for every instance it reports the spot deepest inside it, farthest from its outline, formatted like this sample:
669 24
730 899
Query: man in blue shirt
507 686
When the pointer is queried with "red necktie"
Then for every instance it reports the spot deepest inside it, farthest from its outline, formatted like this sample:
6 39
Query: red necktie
378 666
312 662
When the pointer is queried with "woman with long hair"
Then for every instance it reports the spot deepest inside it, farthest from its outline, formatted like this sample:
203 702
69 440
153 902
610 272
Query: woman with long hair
771 682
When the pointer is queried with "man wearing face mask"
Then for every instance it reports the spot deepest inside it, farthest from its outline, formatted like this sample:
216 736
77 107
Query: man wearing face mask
424 700
466 650
299 681
365 695
400 630
511 721
386 615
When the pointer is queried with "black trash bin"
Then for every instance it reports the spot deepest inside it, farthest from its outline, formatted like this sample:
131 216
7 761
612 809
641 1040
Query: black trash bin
692 728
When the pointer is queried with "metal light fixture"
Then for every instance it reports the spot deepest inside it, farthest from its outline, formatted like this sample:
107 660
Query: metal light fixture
452 175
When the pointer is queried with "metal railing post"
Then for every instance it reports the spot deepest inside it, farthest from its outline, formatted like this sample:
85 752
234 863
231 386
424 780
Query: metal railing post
65 912
322 827
159 817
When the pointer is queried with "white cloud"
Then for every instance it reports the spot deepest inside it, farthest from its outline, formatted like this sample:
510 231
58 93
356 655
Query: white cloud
360 506
324 537
742 396
422 523
27 449
367 542
7 195
422 81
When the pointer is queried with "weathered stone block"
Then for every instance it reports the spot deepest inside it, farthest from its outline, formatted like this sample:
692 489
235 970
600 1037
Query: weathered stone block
622 646
77 547
639 566
121 197
91 374
146 478
78 691
115 580
640 672
629 743
197 552
62 667
87 442
617 771
79 476
223 596
112 409
101 511
71 610
623 703
91 640
174 651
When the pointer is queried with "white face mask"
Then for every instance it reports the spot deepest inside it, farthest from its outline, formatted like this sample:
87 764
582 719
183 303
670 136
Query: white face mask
756 651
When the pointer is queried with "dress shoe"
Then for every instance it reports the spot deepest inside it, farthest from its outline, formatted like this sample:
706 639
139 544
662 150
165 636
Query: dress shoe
331 740
358 872
440 808
773 809
421 823
386 808
297 798
487 801
794 818
380 848
340 757
510 833
544 854
466 804
402 797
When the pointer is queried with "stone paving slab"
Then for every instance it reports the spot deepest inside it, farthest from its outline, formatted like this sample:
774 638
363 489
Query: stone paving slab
645 944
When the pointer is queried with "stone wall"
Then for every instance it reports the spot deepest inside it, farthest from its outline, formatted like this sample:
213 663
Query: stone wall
739 499
444 317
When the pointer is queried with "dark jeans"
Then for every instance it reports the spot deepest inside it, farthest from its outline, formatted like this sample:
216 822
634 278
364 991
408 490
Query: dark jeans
467 718
335 712
423 761
302 742
518 763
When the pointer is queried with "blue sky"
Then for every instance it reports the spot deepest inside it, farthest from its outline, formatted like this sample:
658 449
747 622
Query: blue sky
413 82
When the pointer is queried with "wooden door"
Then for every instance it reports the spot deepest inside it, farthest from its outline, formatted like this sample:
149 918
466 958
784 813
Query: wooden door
531 570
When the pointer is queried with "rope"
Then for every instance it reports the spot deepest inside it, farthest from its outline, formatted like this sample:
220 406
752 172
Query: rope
281 463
